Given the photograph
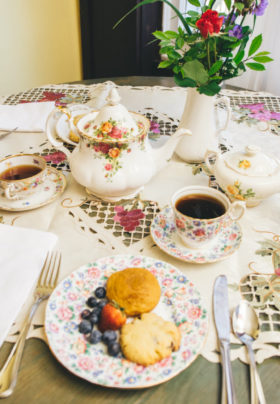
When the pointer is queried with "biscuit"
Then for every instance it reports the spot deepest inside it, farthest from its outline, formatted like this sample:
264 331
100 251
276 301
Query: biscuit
75 138
136 290
149 339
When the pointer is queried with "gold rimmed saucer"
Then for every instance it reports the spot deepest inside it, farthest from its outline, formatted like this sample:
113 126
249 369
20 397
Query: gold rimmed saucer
164 234
52 187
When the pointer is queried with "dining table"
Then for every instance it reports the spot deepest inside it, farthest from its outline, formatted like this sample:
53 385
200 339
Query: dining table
89 230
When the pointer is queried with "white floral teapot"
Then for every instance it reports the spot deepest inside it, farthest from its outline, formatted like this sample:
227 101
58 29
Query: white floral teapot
249 175
114 158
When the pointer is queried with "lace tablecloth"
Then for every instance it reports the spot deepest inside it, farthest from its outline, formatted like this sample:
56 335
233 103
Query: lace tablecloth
89 229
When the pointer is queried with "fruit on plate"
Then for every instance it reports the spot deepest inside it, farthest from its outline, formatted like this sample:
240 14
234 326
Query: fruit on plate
112 317
135 289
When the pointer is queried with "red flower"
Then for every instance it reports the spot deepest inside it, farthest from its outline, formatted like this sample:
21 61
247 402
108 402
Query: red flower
108 167
199 232
209 23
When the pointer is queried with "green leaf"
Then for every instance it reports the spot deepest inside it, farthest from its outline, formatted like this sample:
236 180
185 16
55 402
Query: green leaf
215 67
195 70
239 57
193 13
239 6
160 35
195 2
262 53
262 59
228 4
184 82
171 34
255 66
256 43
164 64
180 43
172 54
210 89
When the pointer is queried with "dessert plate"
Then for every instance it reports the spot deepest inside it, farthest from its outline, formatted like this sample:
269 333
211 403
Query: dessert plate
46 193
180 302
163 231
63 126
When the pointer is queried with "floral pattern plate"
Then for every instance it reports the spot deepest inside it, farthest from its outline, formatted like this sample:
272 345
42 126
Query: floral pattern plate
180 302
163 231
46 193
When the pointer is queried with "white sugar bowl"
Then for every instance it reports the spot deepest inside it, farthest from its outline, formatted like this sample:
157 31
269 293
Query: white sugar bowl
248 175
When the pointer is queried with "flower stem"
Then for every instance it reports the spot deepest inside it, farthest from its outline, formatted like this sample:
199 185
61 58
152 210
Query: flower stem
208 54
211 4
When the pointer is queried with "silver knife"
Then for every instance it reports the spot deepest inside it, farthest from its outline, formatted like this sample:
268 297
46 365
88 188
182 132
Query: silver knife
222 320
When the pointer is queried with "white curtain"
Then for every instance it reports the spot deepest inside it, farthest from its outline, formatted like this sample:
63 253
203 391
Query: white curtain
268 25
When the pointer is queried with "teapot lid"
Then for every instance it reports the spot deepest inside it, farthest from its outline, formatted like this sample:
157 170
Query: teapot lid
112 122
252 162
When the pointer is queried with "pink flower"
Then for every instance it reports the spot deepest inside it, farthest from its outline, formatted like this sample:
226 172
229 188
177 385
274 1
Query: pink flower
85 363
79 346
64 313
187 354
56 157
199 232
154 127
180 224
233 236
194 313
54 328
253 107
261 115
277 271
115 133
94 272
167 282
128 219
72 296
275 115
157 234
108 167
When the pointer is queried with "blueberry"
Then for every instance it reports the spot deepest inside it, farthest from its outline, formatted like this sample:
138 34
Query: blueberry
93 318
101 304
92 302
114 348
109 336
95 337
85 314
85 327
100 292
96 311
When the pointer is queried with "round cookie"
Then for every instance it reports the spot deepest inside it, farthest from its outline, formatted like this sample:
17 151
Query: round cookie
136 290
149 339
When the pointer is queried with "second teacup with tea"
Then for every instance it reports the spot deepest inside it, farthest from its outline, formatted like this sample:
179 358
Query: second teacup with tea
21 174
201 213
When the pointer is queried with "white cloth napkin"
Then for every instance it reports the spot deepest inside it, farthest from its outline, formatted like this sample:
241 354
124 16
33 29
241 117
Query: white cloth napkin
22 255
27 117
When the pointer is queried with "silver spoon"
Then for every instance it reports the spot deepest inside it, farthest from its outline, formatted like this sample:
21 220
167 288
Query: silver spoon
246 327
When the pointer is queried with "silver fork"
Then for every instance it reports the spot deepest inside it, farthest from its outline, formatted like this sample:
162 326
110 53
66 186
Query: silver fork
46 283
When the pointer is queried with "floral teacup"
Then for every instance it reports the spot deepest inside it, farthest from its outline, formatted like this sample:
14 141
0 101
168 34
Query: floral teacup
201 212
21 174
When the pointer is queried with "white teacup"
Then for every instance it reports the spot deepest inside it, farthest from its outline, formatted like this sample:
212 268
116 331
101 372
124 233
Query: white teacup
202 212
21 174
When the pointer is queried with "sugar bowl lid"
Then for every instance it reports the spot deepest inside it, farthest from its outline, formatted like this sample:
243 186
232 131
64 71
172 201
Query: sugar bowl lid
252 162
112 122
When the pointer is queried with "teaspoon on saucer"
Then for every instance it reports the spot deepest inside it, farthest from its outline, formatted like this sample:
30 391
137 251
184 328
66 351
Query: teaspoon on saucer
246 327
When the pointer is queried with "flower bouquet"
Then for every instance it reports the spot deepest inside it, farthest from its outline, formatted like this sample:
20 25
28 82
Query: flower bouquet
210 47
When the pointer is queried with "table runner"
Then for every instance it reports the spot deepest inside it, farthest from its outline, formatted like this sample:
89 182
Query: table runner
89 229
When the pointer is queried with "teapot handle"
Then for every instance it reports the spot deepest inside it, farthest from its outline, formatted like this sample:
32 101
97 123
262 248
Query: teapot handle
208 154
226 101
50 131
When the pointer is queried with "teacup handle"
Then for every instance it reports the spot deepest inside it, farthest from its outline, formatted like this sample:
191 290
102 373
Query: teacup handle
208 154
237 210
226 101
12 190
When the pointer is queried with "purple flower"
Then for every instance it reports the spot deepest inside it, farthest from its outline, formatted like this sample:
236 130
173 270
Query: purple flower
260 9
236 31
154 127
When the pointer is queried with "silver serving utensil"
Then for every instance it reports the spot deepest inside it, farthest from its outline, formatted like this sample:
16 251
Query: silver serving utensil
246 327
222 320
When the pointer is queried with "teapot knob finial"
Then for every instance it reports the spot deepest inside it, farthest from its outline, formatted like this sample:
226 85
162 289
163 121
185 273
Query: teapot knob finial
113 97
252 150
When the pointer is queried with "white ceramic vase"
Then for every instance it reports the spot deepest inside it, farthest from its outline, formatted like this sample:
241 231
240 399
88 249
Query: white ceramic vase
200 118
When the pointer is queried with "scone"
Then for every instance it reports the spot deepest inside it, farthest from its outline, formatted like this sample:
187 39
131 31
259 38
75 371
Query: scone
149 339
136 290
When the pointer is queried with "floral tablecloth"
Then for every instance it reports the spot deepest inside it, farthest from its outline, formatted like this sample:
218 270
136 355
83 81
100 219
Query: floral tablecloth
89 228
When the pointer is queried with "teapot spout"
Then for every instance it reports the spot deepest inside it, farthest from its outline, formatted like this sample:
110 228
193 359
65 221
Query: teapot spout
164 153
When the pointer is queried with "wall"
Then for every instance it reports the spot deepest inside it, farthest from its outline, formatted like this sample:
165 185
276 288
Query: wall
39 42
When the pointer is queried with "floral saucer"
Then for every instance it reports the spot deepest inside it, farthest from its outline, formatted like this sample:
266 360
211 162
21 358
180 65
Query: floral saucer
52 187
163 231
180 302
63 126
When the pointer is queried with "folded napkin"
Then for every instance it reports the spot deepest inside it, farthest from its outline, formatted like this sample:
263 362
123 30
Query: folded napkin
22 255
27 117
